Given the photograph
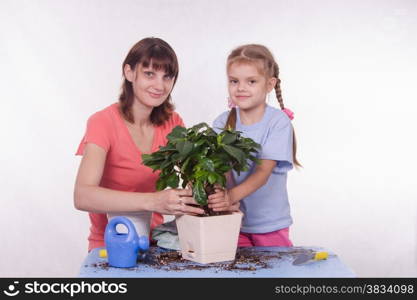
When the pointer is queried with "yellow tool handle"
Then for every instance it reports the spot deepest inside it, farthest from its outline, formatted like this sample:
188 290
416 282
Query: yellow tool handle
321 255
102 253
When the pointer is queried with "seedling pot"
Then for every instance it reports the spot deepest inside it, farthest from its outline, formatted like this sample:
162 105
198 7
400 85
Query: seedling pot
209 239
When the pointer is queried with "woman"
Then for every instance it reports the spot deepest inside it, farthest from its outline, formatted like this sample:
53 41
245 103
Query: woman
111 178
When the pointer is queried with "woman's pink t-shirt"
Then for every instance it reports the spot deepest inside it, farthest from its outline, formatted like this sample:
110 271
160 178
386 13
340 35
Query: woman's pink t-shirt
123 170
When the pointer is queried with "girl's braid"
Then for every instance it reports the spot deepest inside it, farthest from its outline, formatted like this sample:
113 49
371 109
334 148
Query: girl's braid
278 86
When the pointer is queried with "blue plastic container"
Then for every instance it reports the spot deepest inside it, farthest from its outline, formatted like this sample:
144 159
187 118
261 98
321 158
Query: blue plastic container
122 248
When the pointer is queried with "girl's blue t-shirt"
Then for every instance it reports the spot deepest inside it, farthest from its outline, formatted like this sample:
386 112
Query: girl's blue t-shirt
267 209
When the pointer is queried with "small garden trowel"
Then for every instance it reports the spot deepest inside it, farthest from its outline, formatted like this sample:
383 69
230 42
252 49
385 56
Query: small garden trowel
306 258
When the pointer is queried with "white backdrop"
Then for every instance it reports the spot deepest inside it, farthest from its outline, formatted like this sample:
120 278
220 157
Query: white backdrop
348 70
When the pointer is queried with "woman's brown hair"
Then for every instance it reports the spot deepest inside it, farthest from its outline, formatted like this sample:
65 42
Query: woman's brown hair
159 55
264 60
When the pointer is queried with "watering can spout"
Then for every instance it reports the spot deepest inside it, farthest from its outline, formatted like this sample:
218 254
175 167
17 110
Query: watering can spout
143 243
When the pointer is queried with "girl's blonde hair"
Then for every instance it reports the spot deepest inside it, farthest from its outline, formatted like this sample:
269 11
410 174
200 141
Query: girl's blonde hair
263 59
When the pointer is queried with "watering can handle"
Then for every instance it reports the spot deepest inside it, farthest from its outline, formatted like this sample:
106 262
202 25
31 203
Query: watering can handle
131 231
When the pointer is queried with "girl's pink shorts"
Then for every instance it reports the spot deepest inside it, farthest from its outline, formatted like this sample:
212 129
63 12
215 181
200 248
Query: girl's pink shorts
279 238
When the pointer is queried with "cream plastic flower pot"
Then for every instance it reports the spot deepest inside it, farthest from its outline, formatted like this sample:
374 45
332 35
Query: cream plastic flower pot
209 239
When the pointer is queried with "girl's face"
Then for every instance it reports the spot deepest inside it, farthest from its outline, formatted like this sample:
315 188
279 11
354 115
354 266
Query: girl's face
151 87
247 86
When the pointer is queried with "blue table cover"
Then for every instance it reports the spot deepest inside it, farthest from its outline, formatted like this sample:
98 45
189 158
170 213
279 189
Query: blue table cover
261 262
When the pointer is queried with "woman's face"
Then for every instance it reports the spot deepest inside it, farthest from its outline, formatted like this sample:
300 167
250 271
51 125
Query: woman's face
247 86
151 87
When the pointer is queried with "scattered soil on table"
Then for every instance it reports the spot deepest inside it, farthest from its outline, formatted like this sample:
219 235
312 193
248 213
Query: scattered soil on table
173 261
101 265
246 260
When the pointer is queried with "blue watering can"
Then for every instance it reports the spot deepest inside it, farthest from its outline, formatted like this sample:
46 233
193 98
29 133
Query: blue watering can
122 248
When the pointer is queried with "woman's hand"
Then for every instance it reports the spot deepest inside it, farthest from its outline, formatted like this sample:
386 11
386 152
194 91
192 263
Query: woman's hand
175 202
221 201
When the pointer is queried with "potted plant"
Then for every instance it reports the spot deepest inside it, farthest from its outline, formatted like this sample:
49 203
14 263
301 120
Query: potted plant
199 157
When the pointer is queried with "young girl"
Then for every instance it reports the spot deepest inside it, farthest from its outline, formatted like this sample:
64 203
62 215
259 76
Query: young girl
252 73
111 179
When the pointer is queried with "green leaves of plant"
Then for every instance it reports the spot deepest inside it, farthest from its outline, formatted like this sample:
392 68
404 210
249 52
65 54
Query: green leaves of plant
177 133
173 181
207 164
184 148
161 184
200 156
229 138
199 193
236 153
212 178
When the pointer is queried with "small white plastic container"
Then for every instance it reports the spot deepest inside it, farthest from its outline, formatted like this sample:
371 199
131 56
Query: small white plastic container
141 220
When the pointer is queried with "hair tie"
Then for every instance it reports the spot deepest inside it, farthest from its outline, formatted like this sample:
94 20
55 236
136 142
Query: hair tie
289 113
230 103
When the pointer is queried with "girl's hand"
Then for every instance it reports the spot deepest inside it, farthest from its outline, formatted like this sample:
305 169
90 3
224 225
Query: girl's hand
221 201
175 202
235 207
